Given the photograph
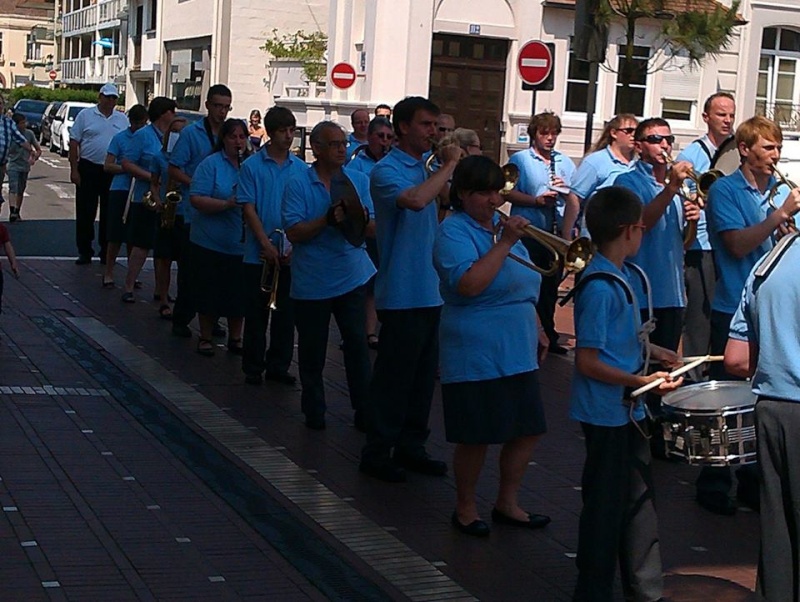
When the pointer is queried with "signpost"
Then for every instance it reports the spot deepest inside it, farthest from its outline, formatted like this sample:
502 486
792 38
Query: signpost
535 65
343 75
53 75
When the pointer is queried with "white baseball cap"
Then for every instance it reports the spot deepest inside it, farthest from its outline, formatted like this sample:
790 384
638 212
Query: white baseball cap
109 90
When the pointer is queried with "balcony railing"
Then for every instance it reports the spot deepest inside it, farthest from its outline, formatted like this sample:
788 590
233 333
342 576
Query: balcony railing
102 15
785 114
91 70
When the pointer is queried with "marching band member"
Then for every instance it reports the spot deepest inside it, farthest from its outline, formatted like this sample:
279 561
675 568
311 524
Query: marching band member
142 153
383 110
328 273
445 125
764 345
490 388
407 297
216 237
538 196
468 141
262 181
359 120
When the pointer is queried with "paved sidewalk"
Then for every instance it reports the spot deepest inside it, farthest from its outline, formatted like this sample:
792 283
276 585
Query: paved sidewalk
142 470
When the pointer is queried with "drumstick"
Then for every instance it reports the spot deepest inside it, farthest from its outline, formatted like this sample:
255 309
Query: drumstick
705 358
673 374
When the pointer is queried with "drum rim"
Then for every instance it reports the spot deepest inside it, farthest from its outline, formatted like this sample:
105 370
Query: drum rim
711 385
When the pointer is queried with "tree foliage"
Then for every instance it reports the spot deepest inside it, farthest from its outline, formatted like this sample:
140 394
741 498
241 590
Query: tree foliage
308 48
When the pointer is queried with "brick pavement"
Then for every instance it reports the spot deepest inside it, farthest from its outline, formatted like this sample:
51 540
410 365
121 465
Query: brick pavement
95 533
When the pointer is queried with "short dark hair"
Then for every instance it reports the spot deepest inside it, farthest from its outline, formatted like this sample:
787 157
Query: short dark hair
277 118
646 124
713 97
228 126
138 113
219 90
608 210
378 122
18 117
475 173
160 105
405 110
544 122
383 106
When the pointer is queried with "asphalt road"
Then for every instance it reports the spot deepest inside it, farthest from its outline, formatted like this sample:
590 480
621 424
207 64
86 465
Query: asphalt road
47 228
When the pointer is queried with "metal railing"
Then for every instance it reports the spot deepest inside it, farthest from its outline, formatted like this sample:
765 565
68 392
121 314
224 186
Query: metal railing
91 70
785 114
91 18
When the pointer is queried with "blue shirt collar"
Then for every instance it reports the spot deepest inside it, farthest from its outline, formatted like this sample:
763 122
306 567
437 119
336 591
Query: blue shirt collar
554 154
616 159
743 183
405 158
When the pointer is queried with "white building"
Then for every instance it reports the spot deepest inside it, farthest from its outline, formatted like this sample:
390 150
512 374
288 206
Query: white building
26 42
92 34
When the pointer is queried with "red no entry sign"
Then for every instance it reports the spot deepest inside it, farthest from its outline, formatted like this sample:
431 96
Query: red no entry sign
534 62
53 74
343 75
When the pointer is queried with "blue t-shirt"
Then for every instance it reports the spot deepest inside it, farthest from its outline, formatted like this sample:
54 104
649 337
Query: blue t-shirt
406 278
325 266
534 179
352 145
262 183
193 145
661 253
492 334
597 170
763 319
699 154
216 177
363 163
605 320
143 148
734 204
117 147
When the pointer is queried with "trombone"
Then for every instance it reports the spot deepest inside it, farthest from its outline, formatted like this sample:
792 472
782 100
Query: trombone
573 256
782 180
270 273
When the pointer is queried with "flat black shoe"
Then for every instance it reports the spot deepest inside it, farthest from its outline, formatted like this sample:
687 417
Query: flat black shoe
315 424
422 465
717 502
280 377
557 349
535 521
83 260
181 330
476 528
383 471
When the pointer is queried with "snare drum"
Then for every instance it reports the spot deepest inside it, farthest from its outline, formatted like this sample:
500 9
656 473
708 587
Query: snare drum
711 424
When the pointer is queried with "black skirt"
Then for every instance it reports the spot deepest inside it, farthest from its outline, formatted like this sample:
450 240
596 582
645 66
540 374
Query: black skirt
142 224
217 283
168 240
115 227
493 411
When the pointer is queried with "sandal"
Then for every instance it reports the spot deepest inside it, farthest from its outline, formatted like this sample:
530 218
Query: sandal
205 347
165 312
235 346
108 284
128 298
372 341
170 298
137 284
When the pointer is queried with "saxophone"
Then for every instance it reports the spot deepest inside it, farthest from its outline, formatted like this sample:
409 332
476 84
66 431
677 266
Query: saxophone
173 194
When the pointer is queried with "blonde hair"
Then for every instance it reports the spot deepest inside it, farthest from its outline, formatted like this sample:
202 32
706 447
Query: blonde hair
749 131
614 124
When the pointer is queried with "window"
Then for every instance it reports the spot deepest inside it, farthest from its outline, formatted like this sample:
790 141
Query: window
577 83
632 100
153 18
778 82
676 109
34 49
188 74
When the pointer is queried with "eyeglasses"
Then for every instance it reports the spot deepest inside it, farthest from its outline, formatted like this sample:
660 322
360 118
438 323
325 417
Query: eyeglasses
219 105
628 131
657 138
444 129
335 144
385 136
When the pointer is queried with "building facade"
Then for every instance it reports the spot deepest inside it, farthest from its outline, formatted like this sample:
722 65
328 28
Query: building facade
26 43
92 39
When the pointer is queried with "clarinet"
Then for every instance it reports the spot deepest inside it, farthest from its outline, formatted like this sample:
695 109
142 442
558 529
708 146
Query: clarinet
554 216
239 157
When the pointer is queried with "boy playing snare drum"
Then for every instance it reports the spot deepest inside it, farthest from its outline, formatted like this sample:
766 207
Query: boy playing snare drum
618 522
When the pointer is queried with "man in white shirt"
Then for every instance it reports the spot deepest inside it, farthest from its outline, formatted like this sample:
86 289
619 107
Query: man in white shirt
90 136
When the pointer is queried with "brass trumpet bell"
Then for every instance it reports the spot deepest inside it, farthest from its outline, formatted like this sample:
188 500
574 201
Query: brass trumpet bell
511 176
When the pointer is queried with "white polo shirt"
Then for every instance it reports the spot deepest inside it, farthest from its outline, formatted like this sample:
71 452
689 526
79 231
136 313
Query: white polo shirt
94 131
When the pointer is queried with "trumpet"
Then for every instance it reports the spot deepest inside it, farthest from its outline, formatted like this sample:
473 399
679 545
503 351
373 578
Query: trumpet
782 180
436 146
270 273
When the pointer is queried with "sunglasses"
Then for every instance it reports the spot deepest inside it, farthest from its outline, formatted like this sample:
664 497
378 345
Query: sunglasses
628 131
657 138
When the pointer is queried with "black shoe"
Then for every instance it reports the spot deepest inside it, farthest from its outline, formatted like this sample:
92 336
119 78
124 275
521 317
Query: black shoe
315 424
476 528
253 379
383 471
717 502
535 521
218 331
181 330
280 377
83 259
557 349
421 464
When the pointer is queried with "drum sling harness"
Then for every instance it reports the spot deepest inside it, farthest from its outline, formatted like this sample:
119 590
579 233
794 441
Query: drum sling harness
774 256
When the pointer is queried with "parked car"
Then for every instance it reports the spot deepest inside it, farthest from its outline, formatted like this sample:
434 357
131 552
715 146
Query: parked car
47 121
33 111
62 122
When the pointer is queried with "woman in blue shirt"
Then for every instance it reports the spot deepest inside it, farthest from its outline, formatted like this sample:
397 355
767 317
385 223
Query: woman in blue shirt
489 337
217 239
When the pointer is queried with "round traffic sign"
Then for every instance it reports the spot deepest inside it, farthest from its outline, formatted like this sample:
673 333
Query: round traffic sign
53 75
343 75
534 63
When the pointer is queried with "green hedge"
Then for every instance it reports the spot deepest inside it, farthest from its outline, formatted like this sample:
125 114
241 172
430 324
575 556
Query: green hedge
62 94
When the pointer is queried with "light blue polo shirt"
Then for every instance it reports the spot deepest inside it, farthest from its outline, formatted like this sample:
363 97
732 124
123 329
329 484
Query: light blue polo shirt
534 179
363 163
606 321
406 278
492 334
597 170
734 204
216 177
262 183
325 266
661 253
192 146
762 318
352 144
143 149
701 163
117 147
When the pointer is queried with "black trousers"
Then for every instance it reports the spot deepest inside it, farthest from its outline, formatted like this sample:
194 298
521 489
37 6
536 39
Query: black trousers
778 433
618 523
548 291
700 277
256 358
93 191
184 310
402 385
312 319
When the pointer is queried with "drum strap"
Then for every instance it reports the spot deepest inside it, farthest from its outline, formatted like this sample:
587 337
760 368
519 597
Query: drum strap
706 150
775 255
720 149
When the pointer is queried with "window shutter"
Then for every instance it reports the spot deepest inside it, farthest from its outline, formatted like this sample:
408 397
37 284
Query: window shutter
680 81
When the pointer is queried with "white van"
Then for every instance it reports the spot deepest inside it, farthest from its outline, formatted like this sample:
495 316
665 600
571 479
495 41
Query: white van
62 122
